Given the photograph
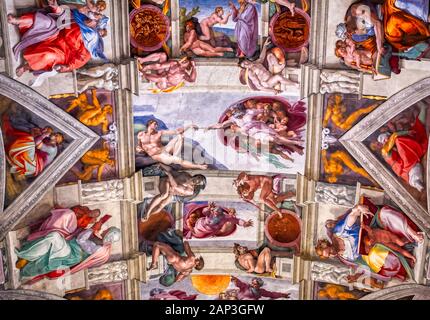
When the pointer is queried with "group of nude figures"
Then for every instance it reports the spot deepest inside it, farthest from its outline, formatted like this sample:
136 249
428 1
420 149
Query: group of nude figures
266 74
259 262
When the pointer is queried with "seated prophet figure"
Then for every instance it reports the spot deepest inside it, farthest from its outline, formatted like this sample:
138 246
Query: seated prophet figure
47 45
212 221
67 222
254 290
405 23
372 239
30 153
404 150
54 255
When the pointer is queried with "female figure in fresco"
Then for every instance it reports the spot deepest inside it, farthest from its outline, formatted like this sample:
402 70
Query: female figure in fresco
217 17
246 31
373 238
48 45
30 153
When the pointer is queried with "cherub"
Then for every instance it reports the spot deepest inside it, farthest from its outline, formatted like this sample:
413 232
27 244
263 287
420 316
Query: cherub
99 77
215 18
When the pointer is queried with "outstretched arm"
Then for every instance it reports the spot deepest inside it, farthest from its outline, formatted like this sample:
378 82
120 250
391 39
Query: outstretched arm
225 19
223 125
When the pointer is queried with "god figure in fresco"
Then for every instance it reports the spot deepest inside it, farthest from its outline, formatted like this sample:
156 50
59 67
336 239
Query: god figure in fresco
373 239
271 123
212 221
47 44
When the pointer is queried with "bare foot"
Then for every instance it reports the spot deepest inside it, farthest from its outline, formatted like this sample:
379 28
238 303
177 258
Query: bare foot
152 266
230 50
202 167
269 270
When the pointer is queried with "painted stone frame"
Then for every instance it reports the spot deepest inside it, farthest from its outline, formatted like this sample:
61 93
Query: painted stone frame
81 140
354 142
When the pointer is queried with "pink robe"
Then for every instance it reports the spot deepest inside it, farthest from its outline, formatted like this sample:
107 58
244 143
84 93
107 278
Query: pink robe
62 221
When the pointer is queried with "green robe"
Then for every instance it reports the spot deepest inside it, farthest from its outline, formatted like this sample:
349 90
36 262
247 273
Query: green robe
44 257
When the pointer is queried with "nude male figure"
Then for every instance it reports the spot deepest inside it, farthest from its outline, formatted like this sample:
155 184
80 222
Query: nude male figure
215 18
251 261
262 78
176 184
168 73
247 185
198 47
149 142
183 265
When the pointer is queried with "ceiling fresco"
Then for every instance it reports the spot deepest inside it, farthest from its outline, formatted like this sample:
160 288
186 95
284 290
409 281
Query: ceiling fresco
214 149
